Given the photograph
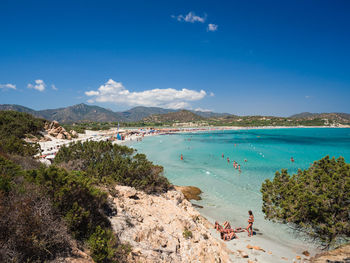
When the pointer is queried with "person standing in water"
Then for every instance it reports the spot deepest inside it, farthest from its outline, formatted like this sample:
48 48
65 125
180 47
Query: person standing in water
181 157
239 168
250 223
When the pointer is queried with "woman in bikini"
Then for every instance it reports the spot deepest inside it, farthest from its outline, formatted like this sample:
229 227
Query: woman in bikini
249 228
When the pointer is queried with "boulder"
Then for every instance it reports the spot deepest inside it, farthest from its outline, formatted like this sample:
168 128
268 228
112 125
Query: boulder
74 133
60 136
190 192
55 124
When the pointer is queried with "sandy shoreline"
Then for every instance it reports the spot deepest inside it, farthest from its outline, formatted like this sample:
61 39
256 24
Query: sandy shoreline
50 147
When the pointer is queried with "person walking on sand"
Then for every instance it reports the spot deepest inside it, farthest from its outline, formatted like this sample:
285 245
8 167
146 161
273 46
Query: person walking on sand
249 228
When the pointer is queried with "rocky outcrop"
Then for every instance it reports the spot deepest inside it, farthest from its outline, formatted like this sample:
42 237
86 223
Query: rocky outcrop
74 133
164 228
339 255
190 192
55 130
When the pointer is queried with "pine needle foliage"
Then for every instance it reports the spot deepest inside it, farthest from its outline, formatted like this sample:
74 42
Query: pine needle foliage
106 163
315 200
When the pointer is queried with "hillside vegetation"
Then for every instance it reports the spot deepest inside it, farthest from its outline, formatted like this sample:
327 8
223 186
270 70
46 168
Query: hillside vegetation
14 127
95 117
46 212
178 116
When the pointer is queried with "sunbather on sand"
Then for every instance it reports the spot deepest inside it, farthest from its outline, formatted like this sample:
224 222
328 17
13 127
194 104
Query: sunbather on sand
227 228
228 236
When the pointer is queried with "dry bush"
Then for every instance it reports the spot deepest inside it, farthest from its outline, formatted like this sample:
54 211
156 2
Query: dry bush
30 231
26 162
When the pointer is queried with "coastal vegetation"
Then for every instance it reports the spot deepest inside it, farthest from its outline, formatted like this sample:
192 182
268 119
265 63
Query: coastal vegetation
14 127
315 200
110 163
46 212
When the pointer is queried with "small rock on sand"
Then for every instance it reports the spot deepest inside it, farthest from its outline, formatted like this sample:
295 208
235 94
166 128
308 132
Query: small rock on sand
306 253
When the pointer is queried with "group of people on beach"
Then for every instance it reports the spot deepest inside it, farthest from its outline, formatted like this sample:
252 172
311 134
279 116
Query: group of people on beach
228 233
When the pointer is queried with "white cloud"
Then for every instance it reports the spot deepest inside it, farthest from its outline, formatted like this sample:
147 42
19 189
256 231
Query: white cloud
115 92
203 110
212 27
211 94
307 97
7 86
54 87
191 17
92 93
39 85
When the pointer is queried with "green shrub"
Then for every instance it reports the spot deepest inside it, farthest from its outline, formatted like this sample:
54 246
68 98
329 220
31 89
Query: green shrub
8 172
103 245
106 163
315 200
81 204
187 233
13 129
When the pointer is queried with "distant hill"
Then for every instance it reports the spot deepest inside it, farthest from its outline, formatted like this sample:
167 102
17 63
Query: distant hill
178 116
336 116
210 114
81 113
16 107
84 113
303 115
139 113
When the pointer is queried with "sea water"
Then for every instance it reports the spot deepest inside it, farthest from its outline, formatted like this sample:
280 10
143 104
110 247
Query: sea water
227 193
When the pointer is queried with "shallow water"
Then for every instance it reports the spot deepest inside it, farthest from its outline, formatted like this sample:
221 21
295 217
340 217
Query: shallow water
228 194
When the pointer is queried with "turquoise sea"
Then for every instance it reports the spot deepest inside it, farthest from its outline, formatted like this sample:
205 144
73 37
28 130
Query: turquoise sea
228 194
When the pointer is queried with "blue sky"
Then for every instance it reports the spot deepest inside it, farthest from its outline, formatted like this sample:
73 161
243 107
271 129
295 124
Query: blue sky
241 57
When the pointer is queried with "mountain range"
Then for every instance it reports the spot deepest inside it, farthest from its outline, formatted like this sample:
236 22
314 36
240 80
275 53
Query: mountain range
85 113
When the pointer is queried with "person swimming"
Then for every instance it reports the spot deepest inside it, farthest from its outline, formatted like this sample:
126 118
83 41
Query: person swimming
292 159
249 228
